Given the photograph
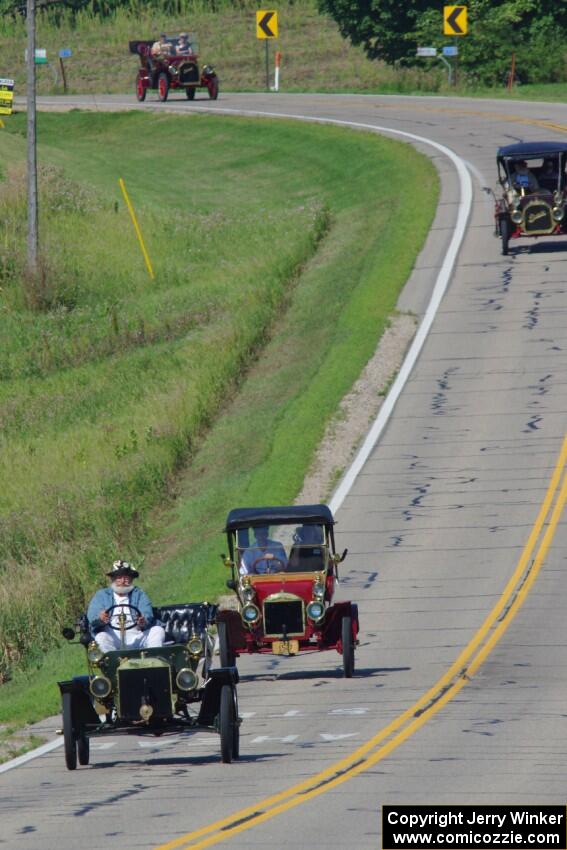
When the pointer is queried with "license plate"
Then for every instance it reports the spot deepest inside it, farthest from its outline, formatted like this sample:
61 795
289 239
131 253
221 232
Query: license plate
285 647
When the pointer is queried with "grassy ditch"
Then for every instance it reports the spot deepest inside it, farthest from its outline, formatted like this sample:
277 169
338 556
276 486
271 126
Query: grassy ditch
279 249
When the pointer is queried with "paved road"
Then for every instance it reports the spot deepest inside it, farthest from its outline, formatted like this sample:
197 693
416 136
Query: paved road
442 517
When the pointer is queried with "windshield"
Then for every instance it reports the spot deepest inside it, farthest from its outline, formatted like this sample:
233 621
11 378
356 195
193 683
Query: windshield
534 173
178 44
281 548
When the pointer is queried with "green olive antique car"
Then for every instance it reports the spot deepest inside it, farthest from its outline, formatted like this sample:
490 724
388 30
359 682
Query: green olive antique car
534 192
152 691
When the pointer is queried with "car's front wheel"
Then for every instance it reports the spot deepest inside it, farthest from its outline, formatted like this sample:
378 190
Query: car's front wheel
348 647
226 723
83 749
227 657
213 87
163 86
505 234
69 740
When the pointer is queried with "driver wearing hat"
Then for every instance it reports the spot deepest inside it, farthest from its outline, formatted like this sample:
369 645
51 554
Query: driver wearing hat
123 601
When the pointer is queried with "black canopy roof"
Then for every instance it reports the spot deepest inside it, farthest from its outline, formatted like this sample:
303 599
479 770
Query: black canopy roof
306 514
527 149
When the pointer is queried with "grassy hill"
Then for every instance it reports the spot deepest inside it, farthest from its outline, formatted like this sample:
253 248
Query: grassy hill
279 251
315 57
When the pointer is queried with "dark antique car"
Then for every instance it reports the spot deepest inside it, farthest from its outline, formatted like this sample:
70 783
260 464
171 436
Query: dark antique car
534 197
284 568
163 690
167 70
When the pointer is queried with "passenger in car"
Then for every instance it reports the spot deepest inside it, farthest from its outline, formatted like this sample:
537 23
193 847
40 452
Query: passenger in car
183 47
123 597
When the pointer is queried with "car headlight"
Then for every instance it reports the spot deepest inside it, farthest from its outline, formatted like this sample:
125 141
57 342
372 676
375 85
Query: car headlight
315 611
248 593
100 687
319 590
195 645
516 216
94 653
250 614
186 680
558 213
513 198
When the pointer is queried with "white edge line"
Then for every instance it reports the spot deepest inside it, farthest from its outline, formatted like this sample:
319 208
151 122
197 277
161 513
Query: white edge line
39 751
439 289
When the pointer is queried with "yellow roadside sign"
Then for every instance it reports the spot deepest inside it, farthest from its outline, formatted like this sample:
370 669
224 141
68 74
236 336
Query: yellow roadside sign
455 20
266 24
6 96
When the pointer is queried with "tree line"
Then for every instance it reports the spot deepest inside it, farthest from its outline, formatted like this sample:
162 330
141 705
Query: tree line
533 30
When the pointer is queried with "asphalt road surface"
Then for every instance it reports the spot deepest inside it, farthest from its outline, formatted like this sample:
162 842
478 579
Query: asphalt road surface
456 558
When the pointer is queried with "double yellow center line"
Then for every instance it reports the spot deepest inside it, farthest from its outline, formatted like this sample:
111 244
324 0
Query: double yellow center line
456 677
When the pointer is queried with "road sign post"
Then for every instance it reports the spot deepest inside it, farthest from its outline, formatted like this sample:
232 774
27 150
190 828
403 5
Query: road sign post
267 28
65 53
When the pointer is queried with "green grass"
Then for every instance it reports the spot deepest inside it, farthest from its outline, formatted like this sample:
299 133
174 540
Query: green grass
279 251
314 55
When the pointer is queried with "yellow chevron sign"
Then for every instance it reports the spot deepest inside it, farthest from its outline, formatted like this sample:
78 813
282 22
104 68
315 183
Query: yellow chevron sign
266 24
455 20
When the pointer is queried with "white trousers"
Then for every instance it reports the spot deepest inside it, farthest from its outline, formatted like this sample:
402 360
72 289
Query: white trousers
109 639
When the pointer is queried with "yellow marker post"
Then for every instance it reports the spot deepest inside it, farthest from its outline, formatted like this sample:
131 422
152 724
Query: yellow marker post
137 229
2 125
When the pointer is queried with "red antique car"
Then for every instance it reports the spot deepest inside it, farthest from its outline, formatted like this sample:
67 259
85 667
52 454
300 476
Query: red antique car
170 63
284 568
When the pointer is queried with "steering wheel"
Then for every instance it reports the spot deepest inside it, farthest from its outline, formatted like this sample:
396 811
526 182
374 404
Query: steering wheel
133 610
269 562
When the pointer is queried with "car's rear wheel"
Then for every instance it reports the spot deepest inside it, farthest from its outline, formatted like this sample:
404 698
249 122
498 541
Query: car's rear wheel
348 647
236 729
163 86
83 749
227 657
69 740
226 724
190 92
505 235
213 87
140 90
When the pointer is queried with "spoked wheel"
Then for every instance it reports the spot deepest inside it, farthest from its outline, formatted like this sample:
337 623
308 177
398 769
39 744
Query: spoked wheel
140 90
348 647
190 92
236 730
83 749
504 235
163 86
214 88
69 740
227 657
227 723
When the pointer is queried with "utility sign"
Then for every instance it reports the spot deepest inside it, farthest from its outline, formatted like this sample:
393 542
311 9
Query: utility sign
455 20
6 97
426 51
266 24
